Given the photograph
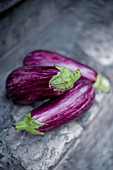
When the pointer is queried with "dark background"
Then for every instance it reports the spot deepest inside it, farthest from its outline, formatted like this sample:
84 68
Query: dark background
81 30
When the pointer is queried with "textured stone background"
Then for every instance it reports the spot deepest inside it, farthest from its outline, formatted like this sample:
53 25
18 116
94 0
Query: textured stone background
6 4
83 31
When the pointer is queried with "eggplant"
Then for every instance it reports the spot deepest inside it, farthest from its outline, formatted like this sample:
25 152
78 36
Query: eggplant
47 58
29 84
60 110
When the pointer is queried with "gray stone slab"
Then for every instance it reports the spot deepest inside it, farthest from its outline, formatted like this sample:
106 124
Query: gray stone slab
94 149
74 29
5 4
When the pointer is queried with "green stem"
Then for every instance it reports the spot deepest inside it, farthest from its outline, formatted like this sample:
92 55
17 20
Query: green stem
99 85
20 125
29 124
104 88
65 79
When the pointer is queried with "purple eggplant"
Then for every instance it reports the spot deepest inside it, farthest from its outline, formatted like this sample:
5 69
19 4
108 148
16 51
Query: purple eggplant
59 110
47 58
29 84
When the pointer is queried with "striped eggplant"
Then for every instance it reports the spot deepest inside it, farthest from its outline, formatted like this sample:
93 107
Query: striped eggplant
29 84
59 110
47 58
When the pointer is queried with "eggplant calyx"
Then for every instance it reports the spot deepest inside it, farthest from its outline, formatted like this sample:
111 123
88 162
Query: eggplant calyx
65 79
99 84
29 124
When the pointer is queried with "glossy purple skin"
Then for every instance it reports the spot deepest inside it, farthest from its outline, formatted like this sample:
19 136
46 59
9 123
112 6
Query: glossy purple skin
66 107
47 58
29 84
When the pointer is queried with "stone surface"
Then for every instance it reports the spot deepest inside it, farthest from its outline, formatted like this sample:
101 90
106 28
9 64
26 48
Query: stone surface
5 4
94 149
81 30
